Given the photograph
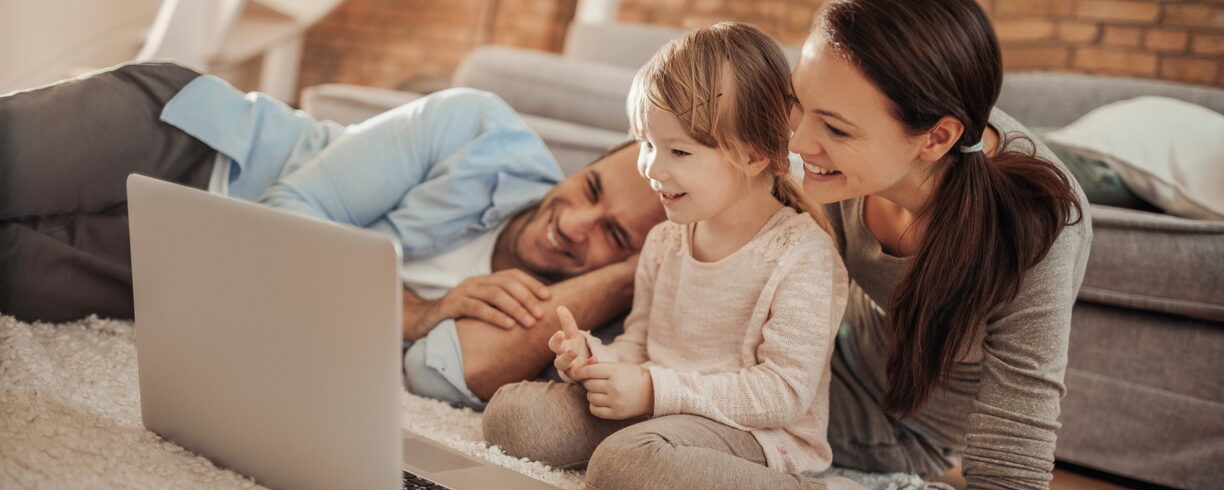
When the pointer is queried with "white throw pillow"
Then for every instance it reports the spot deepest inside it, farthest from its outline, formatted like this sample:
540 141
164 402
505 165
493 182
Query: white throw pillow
1168 151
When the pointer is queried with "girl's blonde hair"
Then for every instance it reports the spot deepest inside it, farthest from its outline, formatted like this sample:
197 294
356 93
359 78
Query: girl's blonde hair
728 84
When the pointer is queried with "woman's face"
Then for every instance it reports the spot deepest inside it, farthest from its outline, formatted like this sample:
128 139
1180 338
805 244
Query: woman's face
844 130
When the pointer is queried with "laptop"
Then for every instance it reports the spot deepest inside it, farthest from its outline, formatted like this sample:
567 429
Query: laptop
270 343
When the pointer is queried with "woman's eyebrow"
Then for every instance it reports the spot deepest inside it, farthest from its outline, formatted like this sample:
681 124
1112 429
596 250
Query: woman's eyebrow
835 115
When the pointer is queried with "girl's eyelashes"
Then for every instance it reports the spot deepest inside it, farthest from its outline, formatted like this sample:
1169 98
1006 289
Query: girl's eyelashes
678 153
836 132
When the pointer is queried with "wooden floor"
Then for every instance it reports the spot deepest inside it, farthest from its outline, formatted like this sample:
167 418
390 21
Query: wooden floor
1066 477
1066 480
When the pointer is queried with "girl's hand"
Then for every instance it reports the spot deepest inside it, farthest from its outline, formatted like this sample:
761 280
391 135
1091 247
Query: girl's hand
616 390
568 344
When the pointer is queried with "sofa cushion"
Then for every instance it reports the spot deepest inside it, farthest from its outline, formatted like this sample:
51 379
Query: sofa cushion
627 44
1101 184
574 145
624 44
1168 151
547 85
1156 262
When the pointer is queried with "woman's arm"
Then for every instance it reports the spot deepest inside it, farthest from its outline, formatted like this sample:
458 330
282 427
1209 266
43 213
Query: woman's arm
1013 423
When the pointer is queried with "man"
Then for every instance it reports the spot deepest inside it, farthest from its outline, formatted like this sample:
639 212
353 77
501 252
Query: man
477 202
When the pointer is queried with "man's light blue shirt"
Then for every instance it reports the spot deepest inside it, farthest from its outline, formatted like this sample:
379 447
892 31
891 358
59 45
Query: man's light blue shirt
434 173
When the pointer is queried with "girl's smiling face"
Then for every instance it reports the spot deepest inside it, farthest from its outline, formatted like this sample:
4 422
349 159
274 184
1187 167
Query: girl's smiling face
693 181
843 128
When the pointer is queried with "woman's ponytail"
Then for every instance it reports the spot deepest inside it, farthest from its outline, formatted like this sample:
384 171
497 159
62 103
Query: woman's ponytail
1006 211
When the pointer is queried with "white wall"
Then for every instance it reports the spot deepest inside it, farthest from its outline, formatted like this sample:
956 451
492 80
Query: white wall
42 41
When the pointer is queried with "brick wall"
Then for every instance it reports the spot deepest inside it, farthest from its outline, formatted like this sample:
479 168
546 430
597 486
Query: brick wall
416 44
1165 39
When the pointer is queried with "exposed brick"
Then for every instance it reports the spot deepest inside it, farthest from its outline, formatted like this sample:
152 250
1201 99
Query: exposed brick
403 42
771 10
695 21
739 10
1194 15
796 26
707 6
1034 7
1166 41
634 15
1115 61
1207 44
1035 58
987 6
801 19
1120 36
1118 10
1190 70
1024 29
392 43
1078 32
673 18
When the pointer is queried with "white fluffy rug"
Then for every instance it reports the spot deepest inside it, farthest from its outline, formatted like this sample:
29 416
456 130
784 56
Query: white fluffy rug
70 418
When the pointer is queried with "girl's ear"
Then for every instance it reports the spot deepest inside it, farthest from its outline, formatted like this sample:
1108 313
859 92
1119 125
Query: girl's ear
940 139
756 164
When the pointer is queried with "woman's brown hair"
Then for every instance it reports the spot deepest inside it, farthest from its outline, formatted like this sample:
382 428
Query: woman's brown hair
729 85
991 218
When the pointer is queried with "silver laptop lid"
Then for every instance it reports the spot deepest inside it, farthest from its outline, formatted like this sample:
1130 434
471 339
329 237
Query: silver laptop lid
266 341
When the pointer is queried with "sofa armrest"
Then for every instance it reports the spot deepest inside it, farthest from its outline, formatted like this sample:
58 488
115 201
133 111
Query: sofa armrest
1045 99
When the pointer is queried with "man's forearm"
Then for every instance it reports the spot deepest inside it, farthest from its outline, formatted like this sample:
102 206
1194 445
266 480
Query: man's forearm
419 316
493 356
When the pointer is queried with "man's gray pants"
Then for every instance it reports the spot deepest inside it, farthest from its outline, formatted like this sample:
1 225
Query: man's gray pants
65 153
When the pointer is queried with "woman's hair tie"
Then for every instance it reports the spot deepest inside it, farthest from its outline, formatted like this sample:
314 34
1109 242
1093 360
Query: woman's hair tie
971 149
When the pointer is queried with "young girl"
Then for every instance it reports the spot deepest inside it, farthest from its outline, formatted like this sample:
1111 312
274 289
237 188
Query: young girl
721 377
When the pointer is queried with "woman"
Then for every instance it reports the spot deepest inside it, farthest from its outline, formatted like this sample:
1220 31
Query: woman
965 241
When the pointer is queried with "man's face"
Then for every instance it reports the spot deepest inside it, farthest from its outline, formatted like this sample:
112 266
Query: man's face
591 219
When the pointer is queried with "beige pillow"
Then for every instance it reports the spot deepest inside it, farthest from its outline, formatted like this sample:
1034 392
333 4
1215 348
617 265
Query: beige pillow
1168 151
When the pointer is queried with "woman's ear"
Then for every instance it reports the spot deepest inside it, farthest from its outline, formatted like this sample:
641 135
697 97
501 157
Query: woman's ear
941 139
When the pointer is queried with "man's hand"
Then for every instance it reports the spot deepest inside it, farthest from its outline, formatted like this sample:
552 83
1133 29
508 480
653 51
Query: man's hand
494 356
568 344
506 298
616 390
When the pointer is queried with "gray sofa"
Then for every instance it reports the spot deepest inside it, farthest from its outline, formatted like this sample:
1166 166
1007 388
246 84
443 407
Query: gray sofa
1145 374
1145 380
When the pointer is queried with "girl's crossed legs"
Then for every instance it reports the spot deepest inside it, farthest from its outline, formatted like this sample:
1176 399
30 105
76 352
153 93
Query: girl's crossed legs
549 422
